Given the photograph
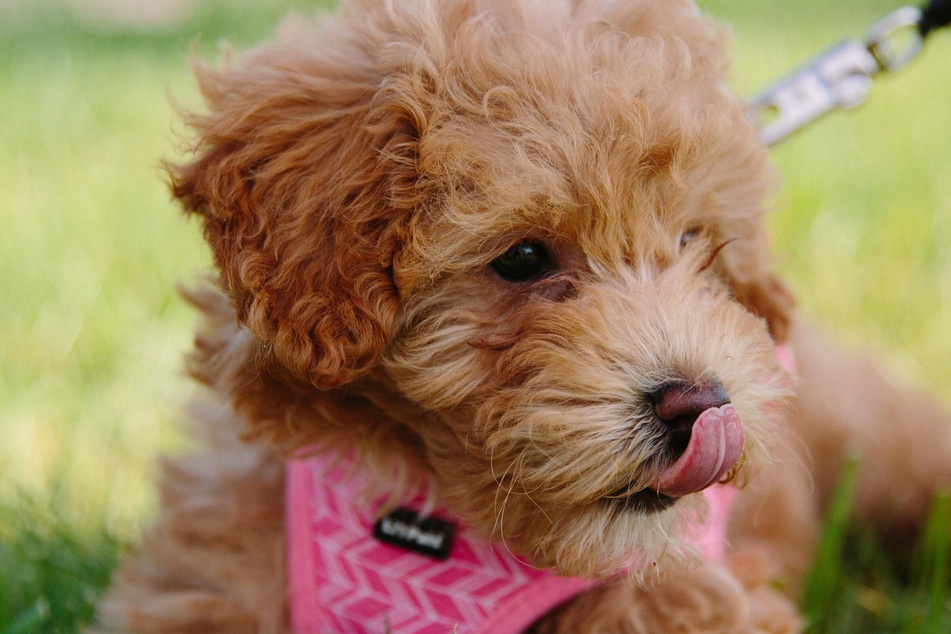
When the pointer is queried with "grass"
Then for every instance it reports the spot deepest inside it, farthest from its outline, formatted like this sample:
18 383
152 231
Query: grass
91 331
59 567
852 587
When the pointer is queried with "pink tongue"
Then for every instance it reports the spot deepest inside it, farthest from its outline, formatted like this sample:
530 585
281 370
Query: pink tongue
716 443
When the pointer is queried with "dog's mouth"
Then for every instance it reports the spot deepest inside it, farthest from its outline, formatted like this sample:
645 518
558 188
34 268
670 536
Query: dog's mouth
645 501
715 445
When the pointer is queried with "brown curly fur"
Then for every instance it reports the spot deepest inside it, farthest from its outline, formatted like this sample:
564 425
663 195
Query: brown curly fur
356 178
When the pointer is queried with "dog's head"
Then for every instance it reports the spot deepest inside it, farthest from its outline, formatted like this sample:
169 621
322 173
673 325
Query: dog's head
519 244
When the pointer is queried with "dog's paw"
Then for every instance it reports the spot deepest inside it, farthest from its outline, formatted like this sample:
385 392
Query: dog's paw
707 599
710 599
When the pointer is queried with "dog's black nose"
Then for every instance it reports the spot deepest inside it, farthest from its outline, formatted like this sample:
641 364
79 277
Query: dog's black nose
679 403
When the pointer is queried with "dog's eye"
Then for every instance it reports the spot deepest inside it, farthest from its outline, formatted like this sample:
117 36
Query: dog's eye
522 262
687 236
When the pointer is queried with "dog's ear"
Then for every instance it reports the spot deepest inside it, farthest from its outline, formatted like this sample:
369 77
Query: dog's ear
748 269
771 299
303 175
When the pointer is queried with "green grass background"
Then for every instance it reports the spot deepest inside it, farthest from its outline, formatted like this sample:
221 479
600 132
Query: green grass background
91 248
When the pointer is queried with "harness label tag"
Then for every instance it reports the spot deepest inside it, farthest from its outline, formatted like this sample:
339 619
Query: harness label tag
404 529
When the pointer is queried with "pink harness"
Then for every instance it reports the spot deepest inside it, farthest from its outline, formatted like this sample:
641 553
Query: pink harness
345 581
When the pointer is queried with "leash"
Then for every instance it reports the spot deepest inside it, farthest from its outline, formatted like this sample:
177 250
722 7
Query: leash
842 76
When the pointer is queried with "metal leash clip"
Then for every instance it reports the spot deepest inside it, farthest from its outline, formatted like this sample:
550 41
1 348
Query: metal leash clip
839 78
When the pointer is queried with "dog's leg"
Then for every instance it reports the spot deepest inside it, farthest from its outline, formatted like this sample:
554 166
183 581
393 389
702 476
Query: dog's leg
214 559
773 526
902 438
707 598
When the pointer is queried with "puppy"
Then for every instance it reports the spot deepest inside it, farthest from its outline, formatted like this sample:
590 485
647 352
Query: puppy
501 266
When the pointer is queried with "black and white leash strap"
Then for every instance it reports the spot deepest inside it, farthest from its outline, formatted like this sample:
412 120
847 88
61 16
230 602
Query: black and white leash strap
842 76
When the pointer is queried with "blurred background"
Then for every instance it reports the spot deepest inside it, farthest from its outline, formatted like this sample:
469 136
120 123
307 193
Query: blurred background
92 331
